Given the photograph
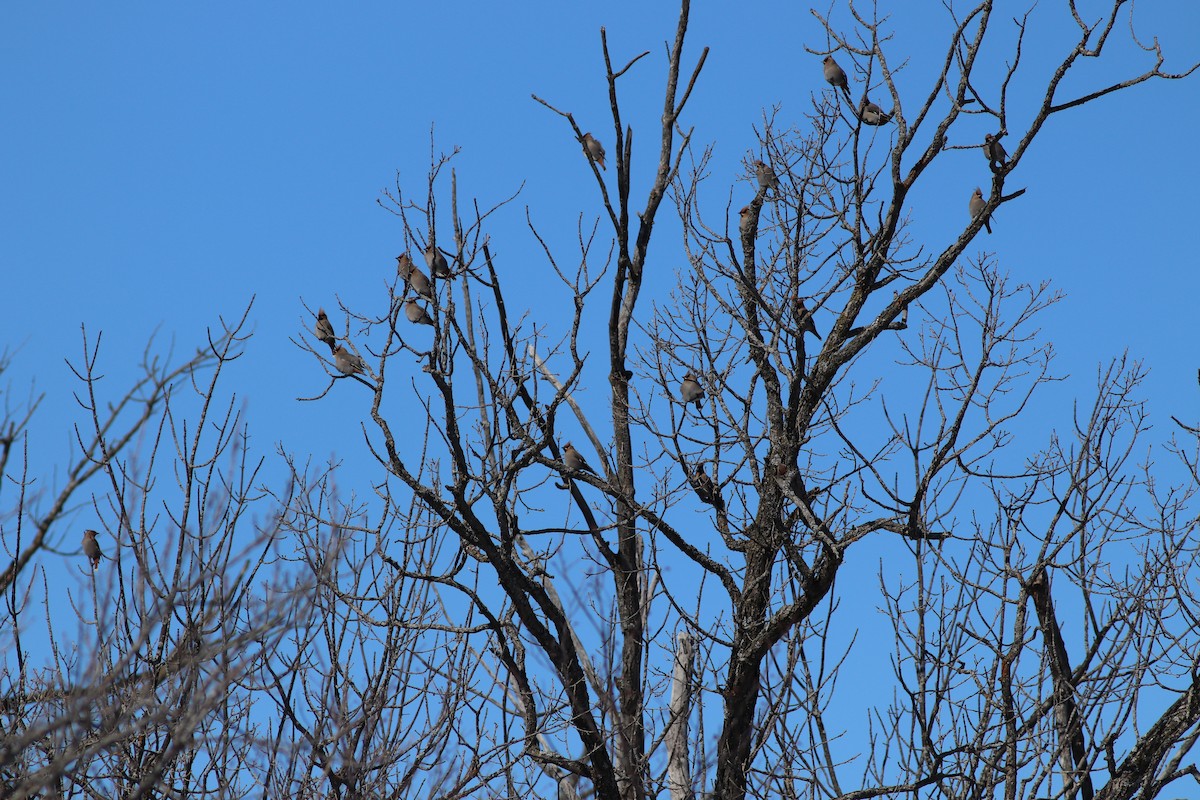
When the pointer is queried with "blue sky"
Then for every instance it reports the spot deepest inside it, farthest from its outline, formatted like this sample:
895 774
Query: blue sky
162 163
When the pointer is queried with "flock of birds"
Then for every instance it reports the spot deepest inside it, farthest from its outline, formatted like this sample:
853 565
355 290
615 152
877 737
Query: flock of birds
871 114
347 362
868 113
690 389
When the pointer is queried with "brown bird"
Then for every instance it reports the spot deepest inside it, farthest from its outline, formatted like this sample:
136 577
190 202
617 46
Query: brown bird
766 175
690 390
416 279
805 318
704 487
976 207
745 218
871 114
593 149
574 460
91 548
438 267
416 314
836 76
324 330
348 363
404 265
996 155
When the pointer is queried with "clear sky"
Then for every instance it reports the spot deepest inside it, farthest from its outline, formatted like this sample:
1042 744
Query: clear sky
164 162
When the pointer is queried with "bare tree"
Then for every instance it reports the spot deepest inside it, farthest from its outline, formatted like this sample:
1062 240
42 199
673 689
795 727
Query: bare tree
724 513
145 692
663 597
214 647
374 694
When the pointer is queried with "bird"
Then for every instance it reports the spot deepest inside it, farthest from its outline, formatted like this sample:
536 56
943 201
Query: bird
903 311
91 548
416 314
976 207
871 114
745 217
690 390
593 149
704 487
996 155
436 262
348 363
418 280
324 330
805 318
837 77
574 460
766 175
404 265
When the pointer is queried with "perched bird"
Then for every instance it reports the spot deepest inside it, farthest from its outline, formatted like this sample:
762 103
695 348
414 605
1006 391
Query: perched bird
690 390
903 311
976 207
413 276
348 363
324 330
574 460
745 217
871 114
996 155
404 265
91 548
704 487
593 149
436 262
416 314
766 175
837 77
805 318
